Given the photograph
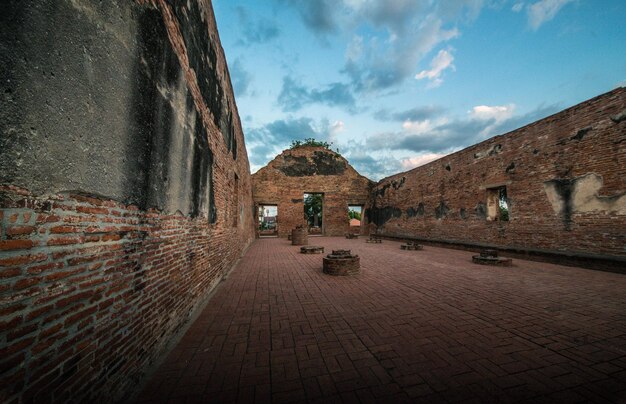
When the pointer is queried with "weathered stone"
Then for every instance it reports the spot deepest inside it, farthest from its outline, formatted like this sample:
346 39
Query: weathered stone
341 263
495 261
299 236
311 249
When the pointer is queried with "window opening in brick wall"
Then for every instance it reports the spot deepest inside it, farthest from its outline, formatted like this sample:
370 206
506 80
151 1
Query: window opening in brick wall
268 223
313 208
354 216
497 204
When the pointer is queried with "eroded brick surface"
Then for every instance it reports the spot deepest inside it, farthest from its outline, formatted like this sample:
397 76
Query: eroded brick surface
285 180
564 177
431 327
125 191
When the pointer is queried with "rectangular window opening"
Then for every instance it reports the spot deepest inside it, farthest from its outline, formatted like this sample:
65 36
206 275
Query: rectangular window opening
313 212
268 220
497 204
355 213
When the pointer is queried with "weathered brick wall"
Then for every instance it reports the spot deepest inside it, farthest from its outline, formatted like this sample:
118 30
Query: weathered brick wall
564 176
285 179
125 192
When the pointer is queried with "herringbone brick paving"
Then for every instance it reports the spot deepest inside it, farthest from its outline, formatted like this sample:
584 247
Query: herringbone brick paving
425 326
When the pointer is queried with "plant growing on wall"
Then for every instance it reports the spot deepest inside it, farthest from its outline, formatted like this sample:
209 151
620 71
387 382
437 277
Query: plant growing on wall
308 142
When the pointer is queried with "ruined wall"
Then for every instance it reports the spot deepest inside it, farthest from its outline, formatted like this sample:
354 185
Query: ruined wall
564 176
125 192
292 173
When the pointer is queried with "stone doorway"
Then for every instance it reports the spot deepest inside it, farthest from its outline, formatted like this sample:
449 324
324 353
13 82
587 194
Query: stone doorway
268 220
313 213
355 213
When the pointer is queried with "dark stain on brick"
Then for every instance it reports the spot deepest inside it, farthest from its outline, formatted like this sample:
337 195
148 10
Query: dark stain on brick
463 213
202 175
581 134
564 188
481 210
323 163
328 163
297 200
380 216
510 168
442 210
418 211
203 60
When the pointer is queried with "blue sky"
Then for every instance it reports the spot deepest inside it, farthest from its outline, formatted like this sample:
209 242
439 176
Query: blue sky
394 84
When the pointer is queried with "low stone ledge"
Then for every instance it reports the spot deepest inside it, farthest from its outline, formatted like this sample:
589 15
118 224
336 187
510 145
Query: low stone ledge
311 249
489 256
411 245
495 261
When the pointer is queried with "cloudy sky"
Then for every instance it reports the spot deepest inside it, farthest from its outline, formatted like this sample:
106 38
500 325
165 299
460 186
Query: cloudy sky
397 83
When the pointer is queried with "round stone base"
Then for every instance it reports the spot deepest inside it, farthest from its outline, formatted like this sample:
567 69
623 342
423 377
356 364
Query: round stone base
299 236
311 249
342 263
496 261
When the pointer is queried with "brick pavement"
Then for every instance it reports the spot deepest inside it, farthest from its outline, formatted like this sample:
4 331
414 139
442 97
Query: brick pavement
425 326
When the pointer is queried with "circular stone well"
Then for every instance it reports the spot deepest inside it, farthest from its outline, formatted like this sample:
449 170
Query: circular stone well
299 236
490 257
342 263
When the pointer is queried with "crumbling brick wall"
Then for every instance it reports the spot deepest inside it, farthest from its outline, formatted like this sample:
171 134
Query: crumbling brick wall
294 172
564 177
125 192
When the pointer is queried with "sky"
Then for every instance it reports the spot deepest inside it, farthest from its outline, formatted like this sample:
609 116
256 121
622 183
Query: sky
394 84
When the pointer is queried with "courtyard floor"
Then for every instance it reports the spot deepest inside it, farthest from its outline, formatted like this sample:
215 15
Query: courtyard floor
425 326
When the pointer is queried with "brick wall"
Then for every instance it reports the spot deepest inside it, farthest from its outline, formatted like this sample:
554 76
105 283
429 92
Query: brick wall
118 218
285 180
564 177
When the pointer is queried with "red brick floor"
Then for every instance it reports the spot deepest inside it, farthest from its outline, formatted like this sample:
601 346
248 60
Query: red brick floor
425 326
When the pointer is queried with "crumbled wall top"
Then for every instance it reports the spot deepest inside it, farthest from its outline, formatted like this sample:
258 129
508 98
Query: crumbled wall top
309 161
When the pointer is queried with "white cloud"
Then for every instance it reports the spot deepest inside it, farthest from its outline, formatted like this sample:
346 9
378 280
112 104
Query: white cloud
517 7
492 116
334 129
499 113
442 61
543 11
412 162
417 127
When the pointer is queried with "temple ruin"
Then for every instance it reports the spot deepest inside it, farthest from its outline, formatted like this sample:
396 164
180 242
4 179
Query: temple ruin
126 198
